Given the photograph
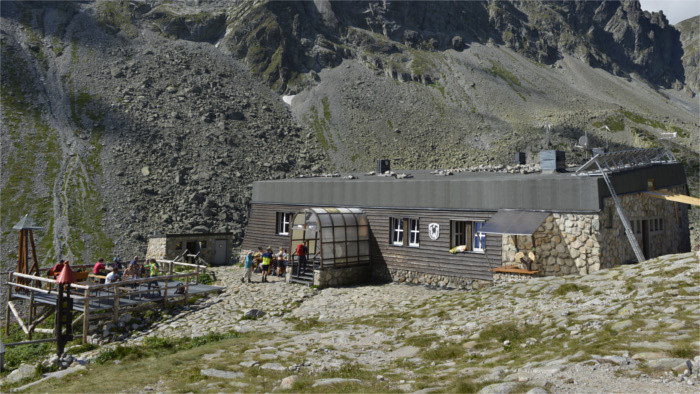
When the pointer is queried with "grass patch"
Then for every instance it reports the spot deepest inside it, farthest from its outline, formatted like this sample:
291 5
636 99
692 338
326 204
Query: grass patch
639 119
446 351
615 123
421 340
157 346
510 331
569 287
306 324
684 350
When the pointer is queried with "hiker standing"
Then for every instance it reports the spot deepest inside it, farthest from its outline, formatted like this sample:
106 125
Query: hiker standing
301 252
248 266
266 260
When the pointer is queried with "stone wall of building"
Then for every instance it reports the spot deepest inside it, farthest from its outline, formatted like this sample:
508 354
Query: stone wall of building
672 237
384 274
342 276
156 248
564 244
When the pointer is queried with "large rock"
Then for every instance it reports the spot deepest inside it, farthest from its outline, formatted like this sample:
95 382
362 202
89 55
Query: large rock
23 372
500 388
217 373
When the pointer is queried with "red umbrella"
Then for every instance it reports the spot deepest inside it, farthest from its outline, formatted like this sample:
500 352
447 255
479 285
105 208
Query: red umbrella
66 277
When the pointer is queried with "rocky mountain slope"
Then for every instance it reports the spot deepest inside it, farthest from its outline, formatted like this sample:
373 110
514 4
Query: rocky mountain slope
690 38
112 133
629 329
125 118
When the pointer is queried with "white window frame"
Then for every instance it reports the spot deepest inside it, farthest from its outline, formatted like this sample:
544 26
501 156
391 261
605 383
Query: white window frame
478 235
397 231
414 232
283 221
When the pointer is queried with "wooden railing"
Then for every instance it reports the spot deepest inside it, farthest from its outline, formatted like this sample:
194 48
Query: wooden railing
87 293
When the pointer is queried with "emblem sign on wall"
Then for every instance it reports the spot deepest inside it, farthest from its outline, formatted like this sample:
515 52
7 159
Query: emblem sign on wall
434 231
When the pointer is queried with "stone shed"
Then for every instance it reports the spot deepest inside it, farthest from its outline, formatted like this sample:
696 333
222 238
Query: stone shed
214 248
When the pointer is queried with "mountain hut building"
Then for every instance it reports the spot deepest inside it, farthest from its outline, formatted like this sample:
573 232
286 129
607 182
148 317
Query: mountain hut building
467 229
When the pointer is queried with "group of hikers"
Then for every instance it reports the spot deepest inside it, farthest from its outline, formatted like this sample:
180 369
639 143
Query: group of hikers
266 262
112 272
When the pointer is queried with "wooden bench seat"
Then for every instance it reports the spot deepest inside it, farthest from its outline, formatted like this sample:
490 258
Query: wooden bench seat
514 270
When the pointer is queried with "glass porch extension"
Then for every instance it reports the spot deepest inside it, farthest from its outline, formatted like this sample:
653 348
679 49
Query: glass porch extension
334 238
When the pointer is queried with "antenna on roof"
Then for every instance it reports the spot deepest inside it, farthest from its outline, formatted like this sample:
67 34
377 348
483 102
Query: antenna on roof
607 137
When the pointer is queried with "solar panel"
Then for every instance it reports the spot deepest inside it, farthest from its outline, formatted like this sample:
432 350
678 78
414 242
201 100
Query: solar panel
626 159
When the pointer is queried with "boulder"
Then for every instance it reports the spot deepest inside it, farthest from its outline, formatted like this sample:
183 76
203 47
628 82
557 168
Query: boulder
23 372
500 388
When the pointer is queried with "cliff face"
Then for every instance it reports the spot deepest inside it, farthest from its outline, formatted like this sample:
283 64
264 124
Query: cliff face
281 40
690 39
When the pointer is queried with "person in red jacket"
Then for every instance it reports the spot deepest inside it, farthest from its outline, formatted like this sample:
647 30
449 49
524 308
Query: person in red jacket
301 253
99 268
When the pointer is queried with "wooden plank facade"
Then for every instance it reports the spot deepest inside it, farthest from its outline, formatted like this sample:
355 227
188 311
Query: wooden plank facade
430 257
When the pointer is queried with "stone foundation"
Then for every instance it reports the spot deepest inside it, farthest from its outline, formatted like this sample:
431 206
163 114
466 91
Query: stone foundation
502 277
342 276
450 282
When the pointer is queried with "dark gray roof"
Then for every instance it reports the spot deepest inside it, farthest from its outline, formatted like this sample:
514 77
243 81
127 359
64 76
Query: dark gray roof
483 191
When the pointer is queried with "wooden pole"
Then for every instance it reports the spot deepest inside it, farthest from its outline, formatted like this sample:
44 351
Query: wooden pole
187 288
115 316
9 299
170 268
165 294
196 278
31 315
19 319
35 264
86 315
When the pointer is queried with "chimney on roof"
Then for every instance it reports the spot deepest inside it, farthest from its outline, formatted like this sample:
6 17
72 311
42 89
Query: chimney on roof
383 165
552 161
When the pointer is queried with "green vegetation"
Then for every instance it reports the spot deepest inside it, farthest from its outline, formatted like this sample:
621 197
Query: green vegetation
614 122
117 15
35 157
569 287
321 125
498 70
445 351
510 331
205 278
682 133
639 119
157 346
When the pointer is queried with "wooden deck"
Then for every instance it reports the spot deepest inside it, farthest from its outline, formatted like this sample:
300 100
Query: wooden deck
101 300
96 301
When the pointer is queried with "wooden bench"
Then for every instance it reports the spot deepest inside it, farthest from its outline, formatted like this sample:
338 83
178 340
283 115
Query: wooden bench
514 270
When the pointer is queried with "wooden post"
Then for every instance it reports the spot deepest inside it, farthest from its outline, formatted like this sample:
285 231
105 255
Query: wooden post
165 293
196 272
86 315
35 263
9 299
31 314
187 288
115 316
170 268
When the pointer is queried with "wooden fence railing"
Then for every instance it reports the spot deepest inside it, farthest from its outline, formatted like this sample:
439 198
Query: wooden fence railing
87 293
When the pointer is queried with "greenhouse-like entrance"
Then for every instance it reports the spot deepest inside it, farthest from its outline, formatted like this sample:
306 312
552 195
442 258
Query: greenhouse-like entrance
329 247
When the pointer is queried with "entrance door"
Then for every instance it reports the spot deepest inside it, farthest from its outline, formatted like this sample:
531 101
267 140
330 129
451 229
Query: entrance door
220 256
645 239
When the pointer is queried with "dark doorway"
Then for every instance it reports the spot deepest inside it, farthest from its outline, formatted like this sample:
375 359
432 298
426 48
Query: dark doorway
645 239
